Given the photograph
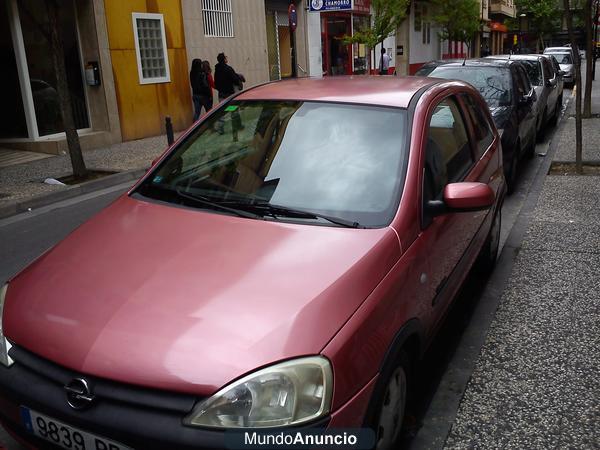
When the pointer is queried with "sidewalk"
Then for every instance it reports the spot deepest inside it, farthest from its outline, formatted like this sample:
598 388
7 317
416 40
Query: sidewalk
23 182
536 381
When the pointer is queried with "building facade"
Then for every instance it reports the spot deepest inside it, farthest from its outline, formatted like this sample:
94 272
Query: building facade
499 11
128 63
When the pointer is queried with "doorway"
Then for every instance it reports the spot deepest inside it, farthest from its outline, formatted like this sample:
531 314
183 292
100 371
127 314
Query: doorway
337 57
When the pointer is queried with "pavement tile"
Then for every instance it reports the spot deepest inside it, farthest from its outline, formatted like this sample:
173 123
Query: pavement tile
535 384
565 237
591 141
569 199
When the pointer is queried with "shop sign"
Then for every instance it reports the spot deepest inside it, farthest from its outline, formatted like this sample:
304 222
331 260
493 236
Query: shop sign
331 5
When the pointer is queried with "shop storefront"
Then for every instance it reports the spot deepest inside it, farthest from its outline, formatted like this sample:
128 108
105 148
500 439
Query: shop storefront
338 20
31 107
30 117
498 35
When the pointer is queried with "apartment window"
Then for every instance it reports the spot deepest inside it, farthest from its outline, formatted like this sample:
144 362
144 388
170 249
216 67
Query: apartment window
426 26
151 48
217 18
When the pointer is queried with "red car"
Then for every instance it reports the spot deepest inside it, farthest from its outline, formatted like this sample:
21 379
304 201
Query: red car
285 264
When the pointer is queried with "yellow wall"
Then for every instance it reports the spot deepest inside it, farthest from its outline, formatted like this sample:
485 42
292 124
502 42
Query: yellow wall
143 108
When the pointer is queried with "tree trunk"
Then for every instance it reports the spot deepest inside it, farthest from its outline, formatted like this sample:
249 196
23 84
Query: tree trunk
589 58
58 59
578 134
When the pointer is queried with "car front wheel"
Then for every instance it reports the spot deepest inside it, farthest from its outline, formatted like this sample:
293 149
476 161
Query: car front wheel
389 404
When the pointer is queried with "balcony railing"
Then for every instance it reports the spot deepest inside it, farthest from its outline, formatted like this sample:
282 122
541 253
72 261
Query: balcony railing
504 7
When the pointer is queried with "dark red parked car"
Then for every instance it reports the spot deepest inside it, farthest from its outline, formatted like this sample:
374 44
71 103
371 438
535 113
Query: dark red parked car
285 264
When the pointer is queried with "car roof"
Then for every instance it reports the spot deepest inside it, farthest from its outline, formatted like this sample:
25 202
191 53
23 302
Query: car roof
479 62
516 57
360 89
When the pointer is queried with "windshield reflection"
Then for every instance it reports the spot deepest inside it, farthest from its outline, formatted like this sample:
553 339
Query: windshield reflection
339 160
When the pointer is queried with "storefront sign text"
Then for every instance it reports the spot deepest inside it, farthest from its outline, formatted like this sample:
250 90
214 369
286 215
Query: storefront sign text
331 5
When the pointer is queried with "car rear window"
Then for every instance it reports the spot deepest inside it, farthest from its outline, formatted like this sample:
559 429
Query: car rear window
563 58
492 82
340 160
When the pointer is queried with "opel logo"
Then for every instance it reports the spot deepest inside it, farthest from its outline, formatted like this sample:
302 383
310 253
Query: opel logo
79 394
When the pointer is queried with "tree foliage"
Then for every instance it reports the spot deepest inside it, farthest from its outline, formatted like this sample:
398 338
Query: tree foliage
387 17
543 16
459 20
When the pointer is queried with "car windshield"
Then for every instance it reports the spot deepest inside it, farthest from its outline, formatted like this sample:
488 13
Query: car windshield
563 58
534 71
328 159
492 82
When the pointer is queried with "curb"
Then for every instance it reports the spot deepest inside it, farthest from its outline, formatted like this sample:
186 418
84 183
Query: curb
76 190
441 413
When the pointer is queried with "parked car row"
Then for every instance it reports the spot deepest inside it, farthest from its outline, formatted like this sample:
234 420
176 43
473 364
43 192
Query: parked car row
286 263
524 94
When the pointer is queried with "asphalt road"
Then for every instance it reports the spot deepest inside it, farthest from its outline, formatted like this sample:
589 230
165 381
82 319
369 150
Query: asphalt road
24 237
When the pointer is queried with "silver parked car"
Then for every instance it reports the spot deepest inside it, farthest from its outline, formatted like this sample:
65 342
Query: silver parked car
548 85
566 60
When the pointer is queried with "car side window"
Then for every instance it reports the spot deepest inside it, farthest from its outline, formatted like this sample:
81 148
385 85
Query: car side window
548 70
482 128
520 83
448 154
523 76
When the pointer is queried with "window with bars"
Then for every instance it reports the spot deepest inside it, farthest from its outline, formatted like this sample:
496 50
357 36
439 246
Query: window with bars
217 18
151 48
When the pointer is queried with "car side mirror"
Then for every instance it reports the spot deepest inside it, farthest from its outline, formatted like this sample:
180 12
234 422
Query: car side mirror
463 197
552 82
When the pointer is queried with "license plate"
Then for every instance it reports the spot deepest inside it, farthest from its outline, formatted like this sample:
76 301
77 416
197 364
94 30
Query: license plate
64 435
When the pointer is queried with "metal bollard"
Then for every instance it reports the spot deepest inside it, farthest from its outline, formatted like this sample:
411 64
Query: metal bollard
169 127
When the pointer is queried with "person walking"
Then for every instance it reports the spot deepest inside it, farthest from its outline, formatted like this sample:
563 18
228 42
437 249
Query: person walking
384 63
209 78
225 77
201 92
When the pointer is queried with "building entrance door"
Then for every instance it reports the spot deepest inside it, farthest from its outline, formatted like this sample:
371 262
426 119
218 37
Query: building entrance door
337 56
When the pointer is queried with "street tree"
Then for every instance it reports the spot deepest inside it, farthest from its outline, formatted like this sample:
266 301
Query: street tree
459 20
589 56
387 17
52 32
578 131
543 16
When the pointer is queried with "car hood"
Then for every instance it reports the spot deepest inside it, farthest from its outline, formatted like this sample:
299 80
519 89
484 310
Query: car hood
500 115
186 300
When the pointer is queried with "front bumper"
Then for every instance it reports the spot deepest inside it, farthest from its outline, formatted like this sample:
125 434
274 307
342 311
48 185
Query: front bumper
137 417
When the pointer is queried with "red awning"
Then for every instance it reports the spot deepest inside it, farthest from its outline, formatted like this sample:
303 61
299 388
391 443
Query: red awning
497 26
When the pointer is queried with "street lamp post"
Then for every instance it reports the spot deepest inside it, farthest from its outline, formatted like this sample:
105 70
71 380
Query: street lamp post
521 31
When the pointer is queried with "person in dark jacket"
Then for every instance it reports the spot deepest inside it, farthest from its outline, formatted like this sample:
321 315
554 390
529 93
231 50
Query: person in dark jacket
225 77
201 91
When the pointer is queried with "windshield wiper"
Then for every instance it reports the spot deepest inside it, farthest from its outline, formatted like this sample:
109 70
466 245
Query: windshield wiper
284 211
216 205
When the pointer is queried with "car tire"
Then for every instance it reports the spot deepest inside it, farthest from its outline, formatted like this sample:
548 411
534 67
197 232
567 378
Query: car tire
511 176
388 403
540 132
530 153
557 110
486 261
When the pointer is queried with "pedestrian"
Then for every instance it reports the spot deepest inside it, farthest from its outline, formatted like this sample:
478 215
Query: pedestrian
209 78
201 92
226 82
225 77
384 63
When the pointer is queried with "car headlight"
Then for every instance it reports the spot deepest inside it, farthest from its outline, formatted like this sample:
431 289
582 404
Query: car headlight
4 344
284 394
